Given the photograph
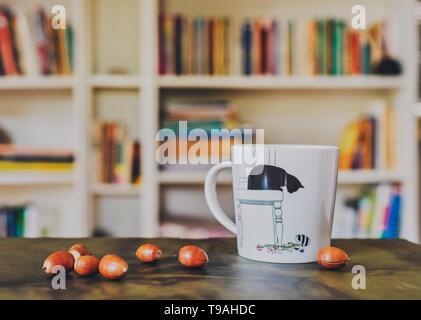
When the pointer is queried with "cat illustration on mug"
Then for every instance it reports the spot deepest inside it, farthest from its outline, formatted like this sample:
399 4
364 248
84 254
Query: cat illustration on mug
268 177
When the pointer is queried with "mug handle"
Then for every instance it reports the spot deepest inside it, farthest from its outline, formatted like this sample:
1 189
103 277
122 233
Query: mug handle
212 199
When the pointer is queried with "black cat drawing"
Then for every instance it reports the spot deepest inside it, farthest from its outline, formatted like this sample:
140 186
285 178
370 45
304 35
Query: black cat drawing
267 177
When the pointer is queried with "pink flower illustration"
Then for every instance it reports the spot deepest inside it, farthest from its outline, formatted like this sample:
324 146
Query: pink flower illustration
259 247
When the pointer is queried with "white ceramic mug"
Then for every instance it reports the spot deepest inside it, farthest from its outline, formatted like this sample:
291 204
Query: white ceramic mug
284 200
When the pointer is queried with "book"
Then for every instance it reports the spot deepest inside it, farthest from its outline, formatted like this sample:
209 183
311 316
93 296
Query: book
6 46
26 158
393 217
115 155
25 45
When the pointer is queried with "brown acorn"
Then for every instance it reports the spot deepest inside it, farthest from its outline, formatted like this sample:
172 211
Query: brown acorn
112 266
79 250
149 252
192 256
86 265
332 257
59 258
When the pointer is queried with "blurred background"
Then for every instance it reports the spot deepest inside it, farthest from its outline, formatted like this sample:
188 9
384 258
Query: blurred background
80 108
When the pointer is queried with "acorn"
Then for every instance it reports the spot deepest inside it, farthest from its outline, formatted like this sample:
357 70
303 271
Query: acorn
86 265
59 258
192 256
79 250
332 257
112 266
149 252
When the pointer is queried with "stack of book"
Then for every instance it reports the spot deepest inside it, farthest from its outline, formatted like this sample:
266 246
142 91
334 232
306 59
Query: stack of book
30 45
369 142
25 158
222 45
18 221
374 214
116 156
204 115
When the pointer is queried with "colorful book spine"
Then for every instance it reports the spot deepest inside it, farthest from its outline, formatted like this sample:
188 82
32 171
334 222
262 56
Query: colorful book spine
375 213
263 46
116 156
6 46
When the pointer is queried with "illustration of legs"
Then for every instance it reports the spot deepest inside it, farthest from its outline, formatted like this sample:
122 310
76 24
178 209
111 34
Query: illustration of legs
240 223
278 227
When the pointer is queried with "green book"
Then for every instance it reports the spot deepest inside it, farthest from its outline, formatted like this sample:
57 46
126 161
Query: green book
69 38
321 47
366 58
372 198
336 47
341 47
330 44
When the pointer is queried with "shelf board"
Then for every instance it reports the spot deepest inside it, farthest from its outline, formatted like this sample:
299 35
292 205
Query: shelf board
344 177
190 177
273 82
115 81
35 178
104 189
36 82
368 176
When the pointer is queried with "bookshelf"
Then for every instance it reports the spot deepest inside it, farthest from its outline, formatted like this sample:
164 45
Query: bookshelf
116 67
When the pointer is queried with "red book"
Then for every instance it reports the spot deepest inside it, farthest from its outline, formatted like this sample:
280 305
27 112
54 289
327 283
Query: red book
41 41
356 53
161 44
257 53
6 48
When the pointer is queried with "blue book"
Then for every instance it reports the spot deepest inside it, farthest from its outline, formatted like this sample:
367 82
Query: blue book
246 41
10 223
178 60
392 229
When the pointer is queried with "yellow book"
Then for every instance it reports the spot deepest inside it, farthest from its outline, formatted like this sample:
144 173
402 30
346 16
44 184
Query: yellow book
391 141
35 166
347 145
63 51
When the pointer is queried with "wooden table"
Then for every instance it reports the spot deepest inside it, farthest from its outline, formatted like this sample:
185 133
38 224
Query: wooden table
393 270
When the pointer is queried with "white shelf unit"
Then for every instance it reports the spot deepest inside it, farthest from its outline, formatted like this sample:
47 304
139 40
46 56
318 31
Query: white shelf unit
99 44
61 98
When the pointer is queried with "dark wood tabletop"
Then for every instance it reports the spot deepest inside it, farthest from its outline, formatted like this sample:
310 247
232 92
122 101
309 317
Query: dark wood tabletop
393 271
